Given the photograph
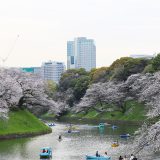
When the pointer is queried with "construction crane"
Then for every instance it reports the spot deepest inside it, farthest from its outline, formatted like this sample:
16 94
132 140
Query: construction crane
4 59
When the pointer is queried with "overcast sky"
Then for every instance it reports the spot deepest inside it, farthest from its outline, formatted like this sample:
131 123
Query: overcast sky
119 28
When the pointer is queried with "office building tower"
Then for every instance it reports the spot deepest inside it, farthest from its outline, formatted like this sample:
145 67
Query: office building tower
52 70
70 55
81 53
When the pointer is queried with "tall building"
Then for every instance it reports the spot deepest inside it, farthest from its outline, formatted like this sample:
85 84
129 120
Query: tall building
81 53
70 55
52 70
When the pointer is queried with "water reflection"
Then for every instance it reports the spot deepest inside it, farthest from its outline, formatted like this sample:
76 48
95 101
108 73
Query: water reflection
102 130
73 146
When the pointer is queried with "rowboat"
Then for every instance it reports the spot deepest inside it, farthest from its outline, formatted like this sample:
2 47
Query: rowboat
114 145
98 158
124 135
46 153
101 125
70 131
114 127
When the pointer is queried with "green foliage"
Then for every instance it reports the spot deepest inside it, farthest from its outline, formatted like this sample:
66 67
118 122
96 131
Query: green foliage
22 122
156 62
119 70
126 66
68 79
119 62
81 86
91 114
148 69
48 116
118 73
99 75
134 111
51 87
76 79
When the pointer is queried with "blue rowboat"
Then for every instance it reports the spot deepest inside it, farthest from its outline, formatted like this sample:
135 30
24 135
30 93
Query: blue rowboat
69 131
114 127
125 135
101 125
46 153
98 158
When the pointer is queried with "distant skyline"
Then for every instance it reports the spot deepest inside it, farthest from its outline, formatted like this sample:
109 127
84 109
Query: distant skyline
119 27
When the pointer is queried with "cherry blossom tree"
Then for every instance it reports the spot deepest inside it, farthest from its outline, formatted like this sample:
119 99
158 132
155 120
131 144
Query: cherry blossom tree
19 89
141 87
100 93
10 92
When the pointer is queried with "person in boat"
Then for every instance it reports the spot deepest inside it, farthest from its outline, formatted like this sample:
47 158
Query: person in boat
97 155
120 158
43 151
116 143
125 157
69 130
60 137
134 158
131 158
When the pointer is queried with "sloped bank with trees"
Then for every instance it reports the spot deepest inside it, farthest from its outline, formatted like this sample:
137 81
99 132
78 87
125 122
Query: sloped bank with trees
109 89
75 85
20 94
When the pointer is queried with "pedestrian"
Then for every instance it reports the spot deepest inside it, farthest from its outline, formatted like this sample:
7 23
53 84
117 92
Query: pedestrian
134 158
125 157
120 158
131 158
97 155
60 138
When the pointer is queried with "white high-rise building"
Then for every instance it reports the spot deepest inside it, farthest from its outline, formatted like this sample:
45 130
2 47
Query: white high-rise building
52 70
81 53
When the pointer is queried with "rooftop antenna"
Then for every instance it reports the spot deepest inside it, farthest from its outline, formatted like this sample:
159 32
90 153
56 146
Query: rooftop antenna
4 59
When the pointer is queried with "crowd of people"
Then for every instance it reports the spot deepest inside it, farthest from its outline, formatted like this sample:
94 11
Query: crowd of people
132 157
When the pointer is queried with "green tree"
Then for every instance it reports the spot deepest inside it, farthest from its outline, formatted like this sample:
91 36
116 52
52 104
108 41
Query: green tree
81 85
119 62
124 67
119 73
156 62
149 69
76 80
51 87
99 74
68 79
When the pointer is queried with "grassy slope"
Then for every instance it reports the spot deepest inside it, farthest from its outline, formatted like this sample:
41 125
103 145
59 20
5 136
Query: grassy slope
134 112
48 116
22 122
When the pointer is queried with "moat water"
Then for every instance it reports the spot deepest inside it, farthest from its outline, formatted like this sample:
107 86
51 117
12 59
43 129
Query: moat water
74 146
